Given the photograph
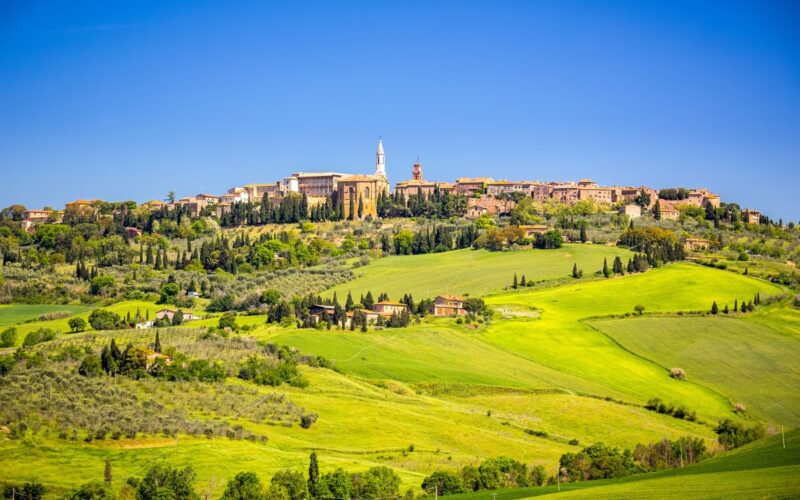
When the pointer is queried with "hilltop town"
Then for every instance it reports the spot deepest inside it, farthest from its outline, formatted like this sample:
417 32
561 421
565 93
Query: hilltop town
361 196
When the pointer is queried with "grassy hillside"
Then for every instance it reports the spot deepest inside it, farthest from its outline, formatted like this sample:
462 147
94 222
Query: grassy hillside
559 339
741 358
11 314
473 272
458 394
764 469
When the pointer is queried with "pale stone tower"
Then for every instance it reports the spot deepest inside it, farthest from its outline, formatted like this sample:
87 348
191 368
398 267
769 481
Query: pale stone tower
380 160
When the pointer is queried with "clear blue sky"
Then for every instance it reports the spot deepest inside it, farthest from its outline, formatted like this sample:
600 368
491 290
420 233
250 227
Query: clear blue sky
129 100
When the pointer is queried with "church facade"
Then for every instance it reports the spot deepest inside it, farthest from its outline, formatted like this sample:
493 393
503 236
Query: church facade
359 193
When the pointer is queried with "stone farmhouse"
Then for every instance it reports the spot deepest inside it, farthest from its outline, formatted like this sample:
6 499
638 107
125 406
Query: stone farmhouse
449 305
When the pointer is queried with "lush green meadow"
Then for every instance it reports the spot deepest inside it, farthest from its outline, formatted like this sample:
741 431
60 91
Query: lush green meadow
746 360
764 469
545 364
559 339
12 314
473 272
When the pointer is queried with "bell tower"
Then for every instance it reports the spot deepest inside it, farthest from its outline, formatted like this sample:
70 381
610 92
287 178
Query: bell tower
380 160
416 171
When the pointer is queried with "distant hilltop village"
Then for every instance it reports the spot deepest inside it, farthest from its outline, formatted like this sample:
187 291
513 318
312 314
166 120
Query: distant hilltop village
344 192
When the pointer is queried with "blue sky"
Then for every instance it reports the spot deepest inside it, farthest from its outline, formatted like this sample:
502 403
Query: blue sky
129 100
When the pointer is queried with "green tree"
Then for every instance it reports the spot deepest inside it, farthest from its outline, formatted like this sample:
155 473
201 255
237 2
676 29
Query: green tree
103 285
270 296
227 320
443 483
169 292
107 475
293 482
313 474
91 366
714 308
657 211
177 318
103 319
163 482
606 272
77 325
334 486
157 344
95 490
244 486
377 482
9 337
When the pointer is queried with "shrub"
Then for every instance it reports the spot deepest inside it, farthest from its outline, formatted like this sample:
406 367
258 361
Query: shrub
28 491
95 490
103 285
162 481
244 486
53 315
291 483
732 434
38 336
102 319
678 373
91 366
538 475
228 320
308 420
77 325
9 337
445 483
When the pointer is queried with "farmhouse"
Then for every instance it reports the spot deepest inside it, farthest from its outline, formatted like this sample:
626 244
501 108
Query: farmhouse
169 313
633 211
533 229
695 244
472 185
448 305
751 216
488 205
387 308
669 210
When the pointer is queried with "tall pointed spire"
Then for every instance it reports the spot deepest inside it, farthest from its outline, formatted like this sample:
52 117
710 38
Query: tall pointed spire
380 160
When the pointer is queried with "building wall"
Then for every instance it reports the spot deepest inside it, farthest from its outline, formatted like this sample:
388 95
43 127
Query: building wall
367 188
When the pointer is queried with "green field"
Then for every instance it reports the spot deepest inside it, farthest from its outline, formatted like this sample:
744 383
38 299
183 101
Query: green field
12 314
558 339
741 358
764 469
473 272
461 393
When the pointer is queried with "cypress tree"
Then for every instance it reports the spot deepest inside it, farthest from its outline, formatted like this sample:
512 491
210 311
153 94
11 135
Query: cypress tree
583 234
360 207
313 474
157 345
606 272
514 286
575 270
735 305
352 211
657 211
630 266
348 305
107 473
369 301
714 308
523 281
